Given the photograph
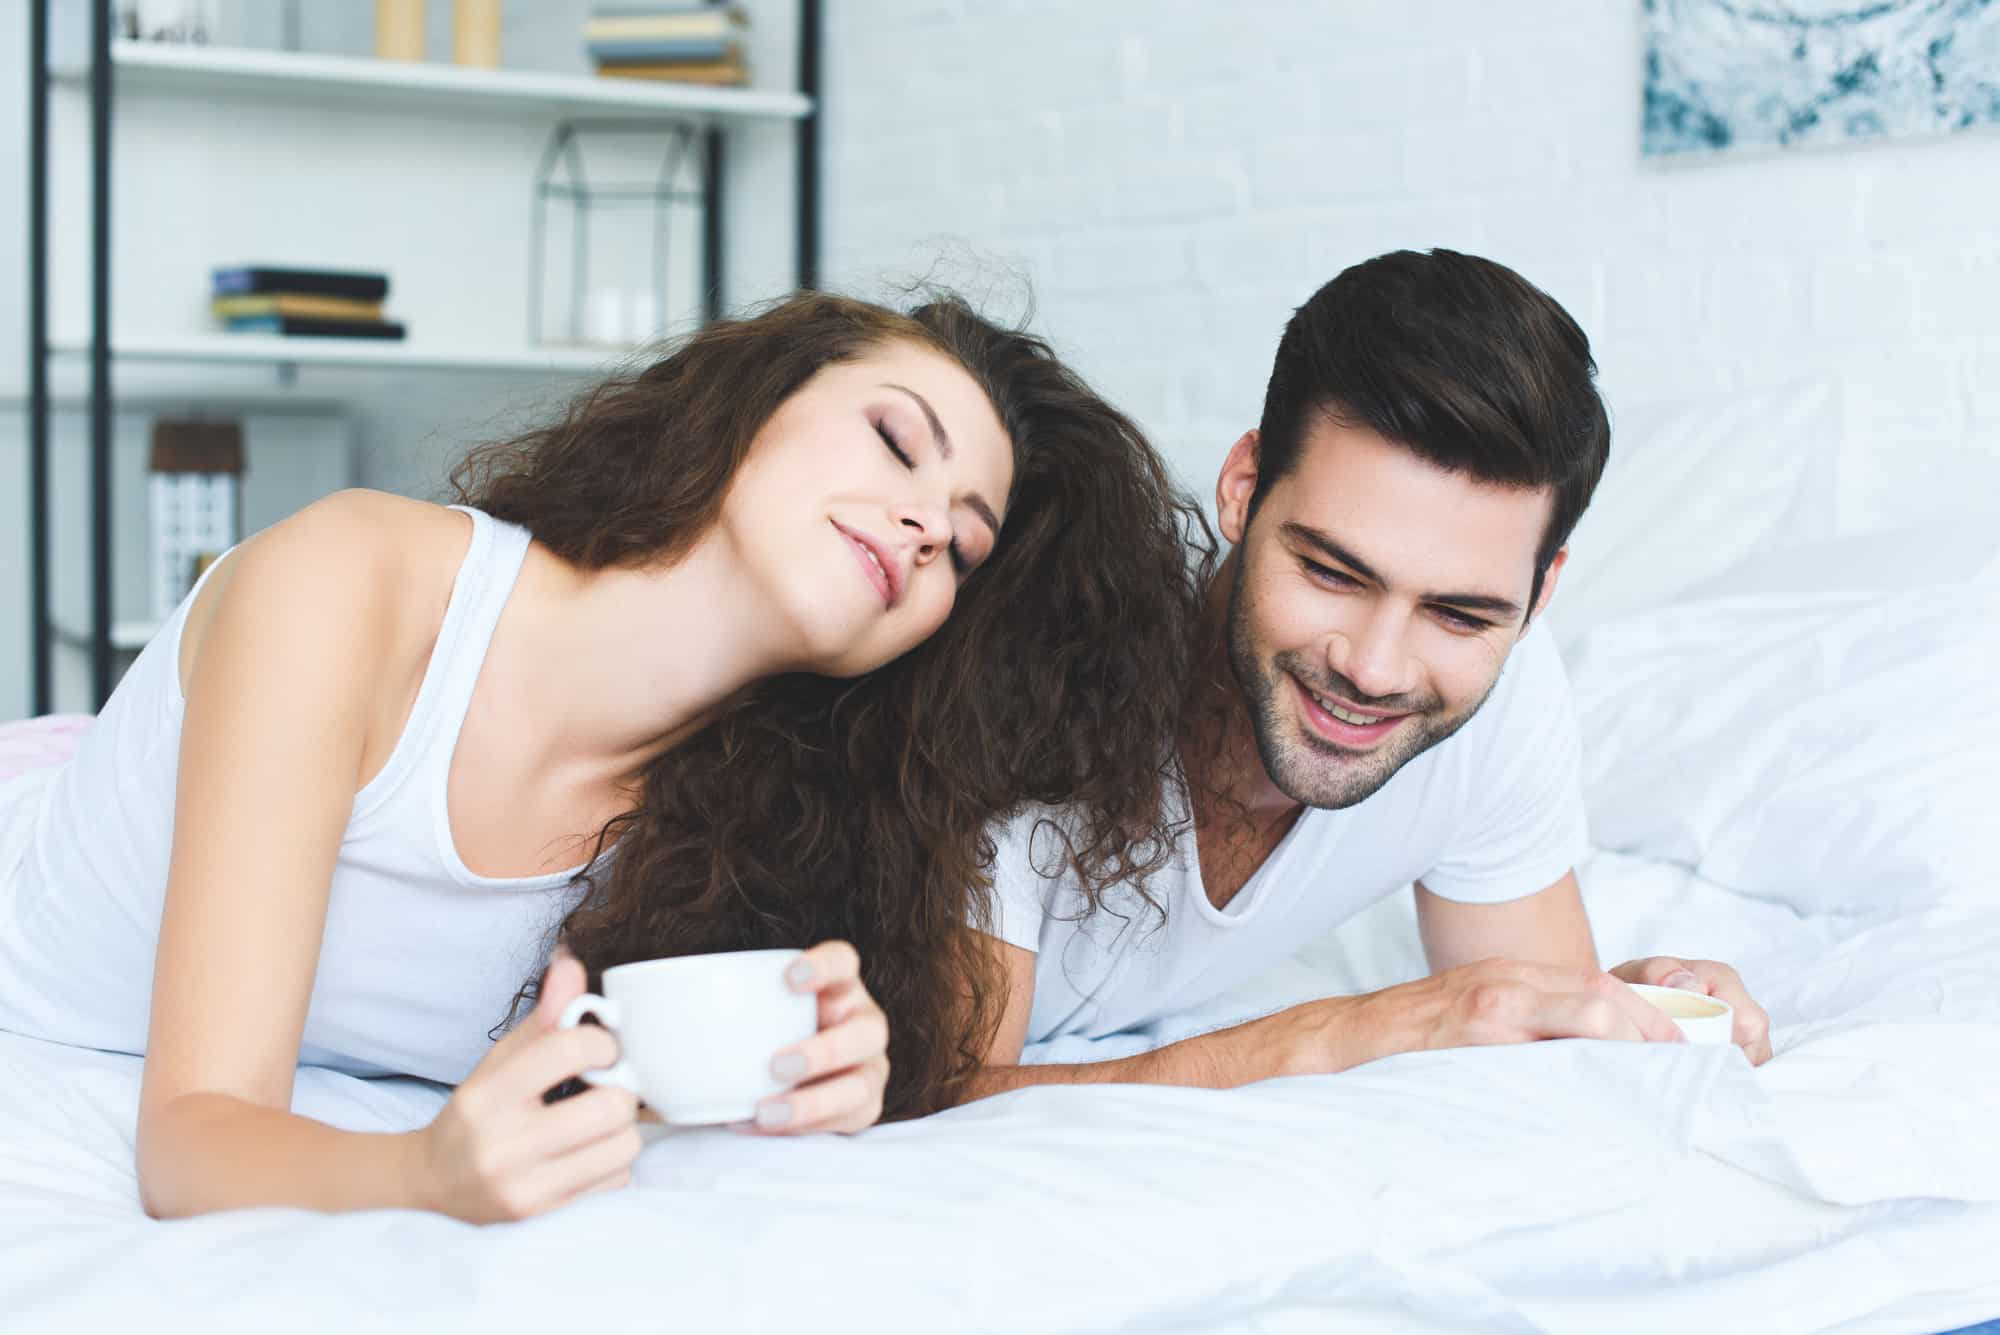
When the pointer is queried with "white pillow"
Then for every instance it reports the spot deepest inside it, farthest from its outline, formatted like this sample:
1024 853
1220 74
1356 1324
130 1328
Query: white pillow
1819 726
1693 489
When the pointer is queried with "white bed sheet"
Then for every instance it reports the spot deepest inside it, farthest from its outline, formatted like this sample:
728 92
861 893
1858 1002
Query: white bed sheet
1852 1184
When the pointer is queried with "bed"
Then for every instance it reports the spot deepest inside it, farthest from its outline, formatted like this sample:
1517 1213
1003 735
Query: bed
1792 733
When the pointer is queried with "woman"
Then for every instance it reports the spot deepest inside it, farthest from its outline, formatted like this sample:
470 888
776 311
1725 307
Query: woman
672 680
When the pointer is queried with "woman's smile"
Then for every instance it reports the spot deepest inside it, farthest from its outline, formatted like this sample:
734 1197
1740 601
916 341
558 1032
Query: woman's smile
883 571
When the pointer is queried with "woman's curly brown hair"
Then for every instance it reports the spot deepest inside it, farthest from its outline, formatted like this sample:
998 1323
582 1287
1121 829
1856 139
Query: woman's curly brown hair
812 809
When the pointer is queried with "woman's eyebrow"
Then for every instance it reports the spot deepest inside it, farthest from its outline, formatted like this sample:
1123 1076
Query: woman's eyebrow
942 439
938 433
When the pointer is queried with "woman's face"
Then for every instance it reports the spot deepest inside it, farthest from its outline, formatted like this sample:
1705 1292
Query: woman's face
867 499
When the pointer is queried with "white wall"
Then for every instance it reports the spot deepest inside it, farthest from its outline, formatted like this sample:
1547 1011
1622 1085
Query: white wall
1178 176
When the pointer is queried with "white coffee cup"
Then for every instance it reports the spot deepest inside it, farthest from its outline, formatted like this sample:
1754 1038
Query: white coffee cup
1704 1019
696 1033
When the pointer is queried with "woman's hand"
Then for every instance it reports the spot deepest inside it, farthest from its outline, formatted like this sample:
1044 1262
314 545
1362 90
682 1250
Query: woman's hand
497 1152
842 1070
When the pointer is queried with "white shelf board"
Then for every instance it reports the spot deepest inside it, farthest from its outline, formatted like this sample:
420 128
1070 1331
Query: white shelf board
126 636
172 67
364 353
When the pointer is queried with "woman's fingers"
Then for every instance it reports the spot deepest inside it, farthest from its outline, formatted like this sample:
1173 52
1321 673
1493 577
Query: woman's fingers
617 1181
589 1117
848 1043
844 1065
552 1058
827 964
845 1102
582 1169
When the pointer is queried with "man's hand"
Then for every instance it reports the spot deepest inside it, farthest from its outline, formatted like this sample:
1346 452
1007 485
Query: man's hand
1753 1026
1487 1002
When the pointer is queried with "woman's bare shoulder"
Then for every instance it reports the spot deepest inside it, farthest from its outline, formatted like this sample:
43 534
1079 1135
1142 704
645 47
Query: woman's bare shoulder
392 560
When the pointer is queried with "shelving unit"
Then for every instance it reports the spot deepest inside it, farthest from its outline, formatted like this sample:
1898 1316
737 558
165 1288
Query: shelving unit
385 354
334 82
193 70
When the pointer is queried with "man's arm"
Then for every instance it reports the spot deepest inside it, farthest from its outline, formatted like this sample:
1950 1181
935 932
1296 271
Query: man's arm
1547 927
1491 1001
1224 1059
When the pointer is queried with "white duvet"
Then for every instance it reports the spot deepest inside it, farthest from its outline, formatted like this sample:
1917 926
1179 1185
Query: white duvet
1756 803
1853 1183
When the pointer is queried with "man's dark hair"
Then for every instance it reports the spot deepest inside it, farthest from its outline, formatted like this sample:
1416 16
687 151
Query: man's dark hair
1458 359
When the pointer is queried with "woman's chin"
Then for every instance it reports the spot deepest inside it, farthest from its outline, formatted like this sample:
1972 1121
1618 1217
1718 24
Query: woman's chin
858 660
856 644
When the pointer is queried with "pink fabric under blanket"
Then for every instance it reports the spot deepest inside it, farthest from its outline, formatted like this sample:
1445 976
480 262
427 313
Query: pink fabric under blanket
37 743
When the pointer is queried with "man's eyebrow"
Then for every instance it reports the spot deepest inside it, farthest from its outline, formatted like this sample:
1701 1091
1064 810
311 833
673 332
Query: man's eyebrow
974 501
1505 608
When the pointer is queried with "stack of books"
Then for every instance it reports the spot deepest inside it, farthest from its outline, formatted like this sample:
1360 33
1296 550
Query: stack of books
678 43
321 303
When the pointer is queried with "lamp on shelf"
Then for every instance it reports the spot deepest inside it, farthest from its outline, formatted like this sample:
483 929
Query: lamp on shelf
603 267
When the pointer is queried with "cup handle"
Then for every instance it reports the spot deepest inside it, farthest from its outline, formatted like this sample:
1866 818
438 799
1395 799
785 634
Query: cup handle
606 1011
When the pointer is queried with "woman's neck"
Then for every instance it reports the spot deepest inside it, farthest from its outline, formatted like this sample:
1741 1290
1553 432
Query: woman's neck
608 669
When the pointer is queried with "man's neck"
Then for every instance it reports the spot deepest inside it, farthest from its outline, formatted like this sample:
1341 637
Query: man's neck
1240 816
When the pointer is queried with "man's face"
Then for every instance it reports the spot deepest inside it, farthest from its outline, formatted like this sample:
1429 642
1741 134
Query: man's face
1374 603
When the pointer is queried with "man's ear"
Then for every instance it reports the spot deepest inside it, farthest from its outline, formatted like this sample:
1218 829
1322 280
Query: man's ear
1235 487
1556 564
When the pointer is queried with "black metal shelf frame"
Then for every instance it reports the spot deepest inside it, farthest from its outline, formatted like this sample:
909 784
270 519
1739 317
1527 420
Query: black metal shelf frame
42 629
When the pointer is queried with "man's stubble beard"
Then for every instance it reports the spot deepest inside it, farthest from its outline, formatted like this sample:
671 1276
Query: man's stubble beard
1311 769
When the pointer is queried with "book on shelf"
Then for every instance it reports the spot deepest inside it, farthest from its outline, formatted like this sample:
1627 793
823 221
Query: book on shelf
642 23
297 326
708 71
651 51
238 280
646 9
295 304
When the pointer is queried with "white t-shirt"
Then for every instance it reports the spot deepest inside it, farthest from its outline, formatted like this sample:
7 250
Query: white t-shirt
1492 813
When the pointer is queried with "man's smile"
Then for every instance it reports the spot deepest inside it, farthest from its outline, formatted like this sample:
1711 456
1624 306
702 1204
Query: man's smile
1341 723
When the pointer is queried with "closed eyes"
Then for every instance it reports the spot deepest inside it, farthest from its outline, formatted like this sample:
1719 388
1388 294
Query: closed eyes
958 562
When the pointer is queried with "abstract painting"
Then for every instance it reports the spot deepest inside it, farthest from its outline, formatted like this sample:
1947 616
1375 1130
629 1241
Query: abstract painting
1723 74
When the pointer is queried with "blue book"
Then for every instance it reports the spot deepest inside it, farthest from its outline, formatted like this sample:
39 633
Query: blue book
656 52
239 280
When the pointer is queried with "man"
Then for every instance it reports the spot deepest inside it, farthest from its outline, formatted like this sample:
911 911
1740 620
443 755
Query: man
1391 712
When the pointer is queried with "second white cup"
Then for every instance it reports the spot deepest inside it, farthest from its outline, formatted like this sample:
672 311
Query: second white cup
1704 1019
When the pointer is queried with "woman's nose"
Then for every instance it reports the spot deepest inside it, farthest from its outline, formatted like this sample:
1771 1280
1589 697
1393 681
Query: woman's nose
926 528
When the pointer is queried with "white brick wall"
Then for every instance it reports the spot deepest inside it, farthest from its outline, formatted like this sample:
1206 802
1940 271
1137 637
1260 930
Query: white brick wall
1176 176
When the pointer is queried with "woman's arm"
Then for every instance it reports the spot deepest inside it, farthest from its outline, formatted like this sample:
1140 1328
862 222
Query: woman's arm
281 670
292 658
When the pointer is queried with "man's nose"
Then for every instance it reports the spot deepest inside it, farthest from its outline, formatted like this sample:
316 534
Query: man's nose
1373 653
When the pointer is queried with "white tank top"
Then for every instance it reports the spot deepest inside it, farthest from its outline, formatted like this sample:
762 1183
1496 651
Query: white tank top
422 957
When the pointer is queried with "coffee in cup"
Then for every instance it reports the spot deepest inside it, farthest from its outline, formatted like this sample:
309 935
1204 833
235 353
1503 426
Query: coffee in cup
1704 1019
696 1033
